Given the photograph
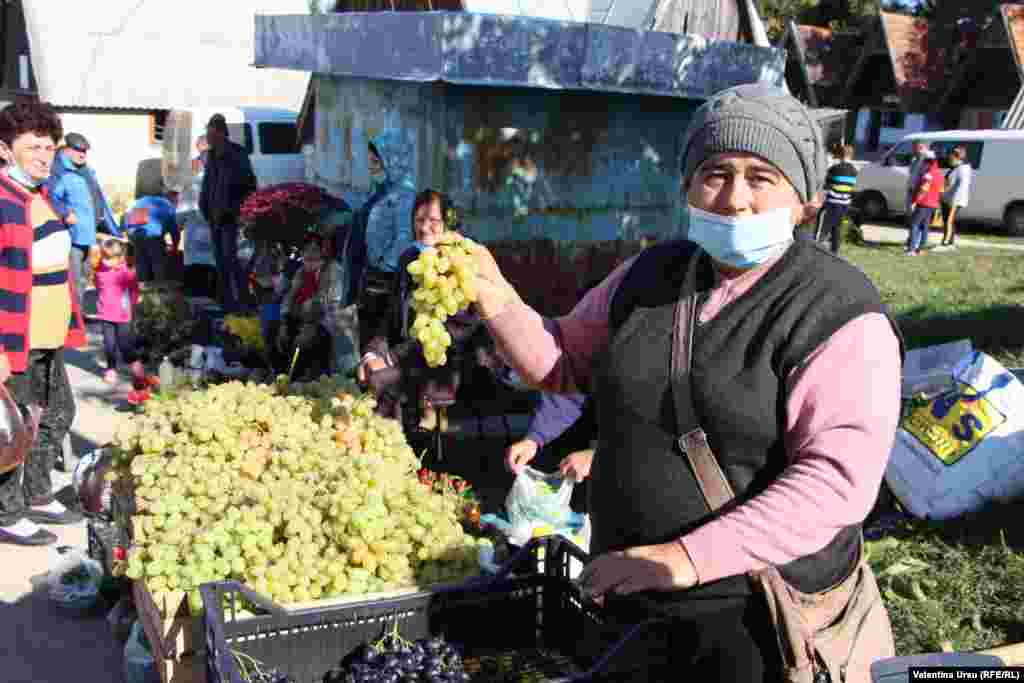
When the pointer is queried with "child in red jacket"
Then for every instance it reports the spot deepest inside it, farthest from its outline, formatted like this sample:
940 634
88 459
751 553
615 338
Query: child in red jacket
118 290
925 204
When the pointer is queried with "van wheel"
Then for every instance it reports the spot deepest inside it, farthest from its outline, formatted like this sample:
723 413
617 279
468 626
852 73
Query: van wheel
872 206
1013 219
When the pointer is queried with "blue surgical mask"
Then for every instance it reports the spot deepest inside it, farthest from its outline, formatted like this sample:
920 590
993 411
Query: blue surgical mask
742 241
379 178
19 176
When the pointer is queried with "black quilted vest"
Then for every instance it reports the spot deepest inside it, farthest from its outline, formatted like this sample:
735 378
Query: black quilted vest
643 491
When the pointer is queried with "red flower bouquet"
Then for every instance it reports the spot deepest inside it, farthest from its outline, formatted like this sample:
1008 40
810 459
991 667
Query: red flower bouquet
282 213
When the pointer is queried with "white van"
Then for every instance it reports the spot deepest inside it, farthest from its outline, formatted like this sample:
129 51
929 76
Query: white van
997 190
269 135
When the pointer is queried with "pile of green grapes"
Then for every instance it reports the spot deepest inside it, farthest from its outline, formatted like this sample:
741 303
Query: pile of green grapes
445 278
300 491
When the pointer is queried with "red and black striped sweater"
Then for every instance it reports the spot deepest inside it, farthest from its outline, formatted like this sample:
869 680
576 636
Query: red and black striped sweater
17 235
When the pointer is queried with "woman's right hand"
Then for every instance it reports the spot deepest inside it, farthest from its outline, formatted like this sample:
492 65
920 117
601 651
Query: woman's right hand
493 292
369 366
520 454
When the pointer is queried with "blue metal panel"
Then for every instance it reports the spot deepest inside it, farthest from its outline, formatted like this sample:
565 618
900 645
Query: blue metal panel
477 49
505 50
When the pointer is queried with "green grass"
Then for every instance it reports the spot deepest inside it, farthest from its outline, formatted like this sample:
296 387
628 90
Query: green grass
959 581
939 297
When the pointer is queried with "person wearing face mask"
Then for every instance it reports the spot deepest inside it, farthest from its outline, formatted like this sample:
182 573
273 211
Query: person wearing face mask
795 381
381 229
39 317
391 344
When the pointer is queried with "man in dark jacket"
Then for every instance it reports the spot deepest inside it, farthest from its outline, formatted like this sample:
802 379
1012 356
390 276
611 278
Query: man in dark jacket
228 181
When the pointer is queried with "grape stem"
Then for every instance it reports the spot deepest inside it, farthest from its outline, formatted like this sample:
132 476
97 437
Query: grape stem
241 657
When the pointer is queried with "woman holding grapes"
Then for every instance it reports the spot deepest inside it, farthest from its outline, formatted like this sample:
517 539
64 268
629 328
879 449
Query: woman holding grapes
393 346
794 375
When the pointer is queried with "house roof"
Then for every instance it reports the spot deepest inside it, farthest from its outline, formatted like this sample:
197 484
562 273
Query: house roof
1013 19
719 19
917 62
145 54
481 49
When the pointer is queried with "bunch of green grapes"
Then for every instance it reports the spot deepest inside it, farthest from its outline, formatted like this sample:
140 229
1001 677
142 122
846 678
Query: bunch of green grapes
302 494
445 278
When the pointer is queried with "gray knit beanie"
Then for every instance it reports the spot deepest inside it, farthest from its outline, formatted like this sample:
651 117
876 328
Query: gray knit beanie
762 120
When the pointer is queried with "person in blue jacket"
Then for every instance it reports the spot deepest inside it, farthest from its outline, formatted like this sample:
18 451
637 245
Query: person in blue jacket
382 228
77 190
147 223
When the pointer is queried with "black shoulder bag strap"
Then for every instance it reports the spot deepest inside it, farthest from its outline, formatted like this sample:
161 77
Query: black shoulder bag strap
694 442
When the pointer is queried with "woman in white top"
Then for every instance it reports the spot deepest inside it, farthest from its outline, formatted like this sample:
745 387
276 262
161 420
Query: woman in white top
956 194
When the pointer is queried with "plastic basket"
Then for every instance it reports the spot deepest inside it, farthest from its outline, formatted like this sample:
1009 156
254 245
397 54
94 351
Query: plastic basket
532 623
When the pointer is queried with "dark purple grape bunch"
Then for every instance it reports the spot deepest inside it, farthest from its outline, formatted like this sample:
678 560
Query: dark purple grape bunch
395 660
254 671
272 676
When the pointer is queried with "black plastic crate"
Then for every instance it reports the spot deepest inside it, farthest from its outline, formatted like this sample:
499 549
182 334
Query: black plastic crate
536 622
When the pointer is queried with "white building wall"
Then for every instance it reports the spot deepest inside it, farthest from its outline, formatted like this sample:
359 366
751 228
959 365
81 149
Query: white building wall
119 141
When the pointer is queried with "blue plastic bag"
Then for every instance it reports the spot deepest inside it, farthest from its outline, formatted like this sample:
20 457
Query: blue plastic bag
139 664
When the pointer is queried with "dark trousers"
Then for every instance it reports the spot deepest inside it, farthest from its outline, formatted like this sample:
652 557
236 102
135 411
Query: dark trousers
44 382
119 339
233 281
201 281
81 269
830 224
150 257
920 222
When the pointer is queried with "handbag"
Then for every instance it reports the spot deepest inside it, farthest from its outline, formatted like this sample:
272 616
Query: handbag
17 431
831 636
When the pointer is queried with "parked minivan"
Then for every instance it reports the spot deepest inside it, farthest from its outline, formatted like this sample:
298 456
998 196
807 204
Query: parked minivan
997 190
269 136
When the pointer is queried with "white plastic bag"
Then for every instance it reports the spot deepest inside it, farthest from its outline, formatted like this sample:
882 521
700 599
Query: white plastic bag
198 245
929 370
538 499
960 449
75 580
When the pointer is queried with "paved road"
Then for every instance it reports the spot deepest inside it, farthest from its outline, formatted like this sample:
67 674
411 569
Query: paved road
892 233
41 644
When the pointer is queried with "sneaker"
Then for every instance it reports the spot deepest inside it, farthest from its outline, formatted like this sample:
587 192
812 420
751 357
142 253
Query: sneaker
43 517
40 537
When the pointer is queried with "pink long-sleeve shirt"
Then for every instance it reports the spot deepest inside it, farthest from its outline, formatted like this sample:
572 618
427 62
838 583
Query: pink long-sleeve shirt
842 411
118 291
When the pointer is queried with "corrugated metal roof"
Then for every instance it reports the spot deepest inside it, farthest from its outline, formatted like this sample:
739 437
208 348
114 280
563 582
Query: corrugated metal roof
478 49
145 54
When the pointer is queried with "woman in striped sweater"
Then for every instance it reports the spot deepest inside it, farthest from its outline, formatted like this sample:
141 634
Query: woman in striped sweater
39 317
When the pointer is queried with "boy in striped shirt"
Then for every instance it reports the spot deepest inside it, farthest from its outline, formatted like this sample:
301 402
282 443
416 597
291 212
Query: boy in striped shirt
839 186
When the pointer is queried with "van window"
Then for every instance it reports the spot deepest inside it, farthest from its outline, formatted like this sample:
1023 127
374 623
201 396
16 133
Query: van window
943 149
279 138
901 155
241 133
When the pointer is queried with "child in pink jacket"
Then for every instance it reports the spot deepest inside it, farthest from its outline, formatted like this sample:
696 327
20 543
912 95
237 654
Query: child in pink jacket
118 290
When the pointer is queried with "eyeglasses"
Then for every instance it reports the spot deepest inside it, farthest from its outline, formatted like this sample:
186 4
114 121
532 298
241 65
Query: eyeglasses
432 222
